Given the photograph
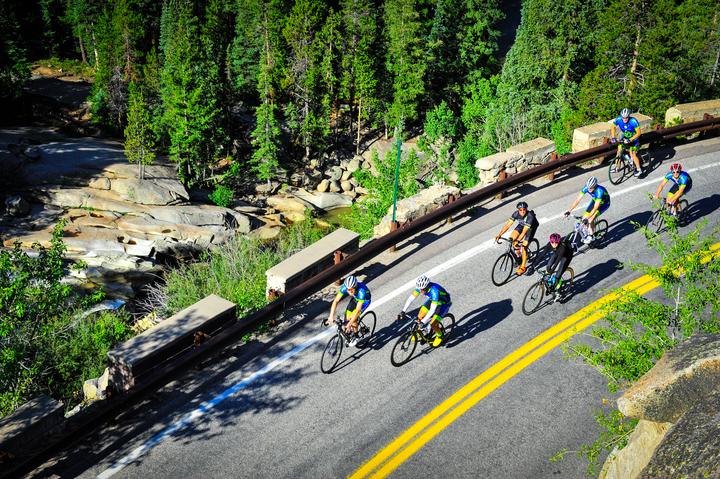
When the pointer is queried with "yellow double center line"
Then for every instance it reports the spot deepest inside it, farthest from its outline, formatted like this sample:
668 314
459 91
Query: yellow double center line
409 442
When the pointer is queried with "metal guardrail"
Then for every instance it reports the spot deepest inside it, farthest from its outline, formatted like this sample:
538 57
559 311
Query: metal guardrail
98 412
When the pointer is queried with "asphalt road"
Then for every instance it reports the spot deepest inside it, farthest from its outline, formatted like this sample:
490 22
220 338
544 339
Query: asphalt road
293 421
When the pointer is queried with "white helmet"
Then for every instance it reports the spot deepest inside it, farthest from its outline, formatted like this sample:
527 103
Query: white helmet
350 282
625 113
422 282
591 182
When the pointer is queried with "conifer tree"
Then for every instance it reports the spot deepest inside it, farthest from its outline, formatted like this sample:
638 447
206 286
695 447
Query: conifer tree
304 77
139 137
405 60
14 66
359 78
189 83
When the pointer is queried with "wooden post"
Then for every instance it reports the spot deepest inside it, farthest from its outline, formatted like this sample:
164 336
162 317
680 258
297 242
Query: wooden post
337 257
502 176
394 226
451 199
273 294
553 157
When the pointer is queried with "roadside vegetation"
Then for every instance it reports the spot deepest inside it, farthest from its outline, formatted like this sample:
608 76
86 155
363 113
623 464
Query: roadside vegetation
636 331
46 345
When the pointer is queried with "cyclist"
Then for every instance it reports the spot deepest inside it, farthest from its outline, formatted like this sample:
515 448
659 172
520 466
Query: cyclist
562 255
599 204
523 233
630 129
359 302
682 183
435 307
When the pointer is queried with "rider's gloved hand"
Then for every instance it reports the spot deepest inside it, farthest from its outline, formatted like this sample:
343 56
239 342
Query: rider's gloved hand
566 214
400 316
626 140
497 239
585 221
553 278
613 140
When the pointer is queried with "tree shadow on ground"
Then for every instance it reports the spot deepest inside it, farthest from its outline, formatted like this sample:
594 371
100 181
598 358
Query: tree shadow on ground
479 320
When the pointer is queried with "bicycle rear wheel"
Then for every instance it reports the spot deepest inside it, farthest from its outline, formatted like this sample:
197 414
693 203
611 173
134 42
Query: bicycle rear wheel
331 354
601 228
403 349
617 171
502 269
366 326
532 252
682 215
533 298
447 325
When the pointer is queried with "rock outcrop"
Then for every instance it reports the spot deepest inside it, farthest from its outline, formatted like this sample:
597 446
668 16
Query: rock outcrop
678 404
422 203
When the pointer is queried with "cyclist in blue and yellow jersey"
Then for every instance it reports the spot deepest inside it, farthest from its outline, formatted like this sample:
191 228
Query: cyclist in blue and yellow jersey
359 302
598 205
630 129
435 307
523 233
682 183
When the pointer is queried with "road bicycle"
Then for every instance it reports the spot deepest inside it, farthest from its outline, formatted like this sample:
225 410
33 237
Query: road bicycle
536 294
657 220
576 237
508 262
414 333
622 166
334 347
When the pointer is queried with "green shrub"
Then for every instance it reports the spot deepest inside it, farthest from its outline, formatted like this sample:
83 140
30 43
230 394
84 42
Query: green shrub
46 347
222 196
235 270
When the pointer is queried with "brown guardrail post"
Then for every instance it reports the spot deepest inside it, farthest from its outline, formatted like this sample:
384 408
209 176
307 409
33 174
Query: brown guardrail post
553 157
394 226
451 199
337 257
273 294
501 177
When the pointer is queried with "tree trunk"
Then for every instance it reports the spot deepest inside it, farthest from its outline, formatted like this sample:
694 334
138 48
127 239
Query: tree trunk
92 33
83 55
636 54
357 143
717 55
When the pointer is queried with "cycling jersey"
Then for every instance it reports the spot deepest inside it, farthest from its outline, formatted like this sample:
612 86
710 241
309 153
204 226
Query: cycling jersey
600 194
436 294
683 179
562 252
529 220
362 292
628 129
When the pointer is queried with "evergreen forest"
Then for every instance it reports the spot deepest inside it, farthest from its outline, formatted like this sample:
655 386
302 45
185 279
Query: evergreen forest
272 84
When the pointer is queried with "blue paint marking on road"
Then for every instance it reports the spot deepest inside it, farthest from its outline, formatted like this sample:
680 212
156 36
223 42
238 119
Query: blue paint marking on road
208 405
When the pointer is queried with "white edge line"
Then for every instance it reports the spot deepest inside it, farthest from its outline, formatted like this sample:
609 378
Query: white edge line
206 406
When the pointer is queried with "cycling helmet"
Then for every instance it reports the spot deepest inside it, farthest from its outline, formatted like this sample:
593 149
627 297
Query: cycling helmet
625 113
422 282
555 238
522 204
676 168
350 282
591 182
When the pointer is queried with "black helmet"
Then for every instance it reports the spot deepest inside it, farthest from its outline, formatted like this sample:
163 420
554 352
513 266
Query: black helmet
521 204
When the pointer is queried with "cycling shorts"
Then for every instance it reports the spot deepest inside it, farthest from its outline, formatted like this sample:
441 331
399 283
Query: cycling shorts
603 208
440 311
352 306
676 187
530 234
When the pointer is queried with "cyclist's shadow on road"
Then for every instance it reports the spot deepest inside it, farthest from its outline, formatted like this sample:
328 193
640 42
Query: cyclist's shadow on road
479 320
701 208
591 277
624 227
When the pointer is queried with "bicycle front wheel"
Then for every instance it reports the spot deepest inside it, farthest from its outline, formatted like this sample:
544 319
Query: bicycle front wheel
533 298
331 354
403 349
655 223
617 171
601 228
366 327
502 269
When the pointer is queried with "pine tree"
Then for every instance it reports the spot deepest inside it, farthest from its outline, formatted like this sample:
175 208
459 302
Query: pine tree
14 66
305 111
405 61
139 137
266 136
189 83
359 78
478 39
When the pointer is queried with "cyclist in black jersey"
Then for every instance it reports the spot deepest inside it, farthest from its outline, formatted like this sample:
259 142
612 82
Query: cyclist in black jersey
523 233
562 255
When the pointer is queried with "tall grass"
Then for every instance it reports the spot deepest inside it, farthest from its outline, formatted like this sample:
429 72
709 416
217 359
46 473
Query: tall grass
236 270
